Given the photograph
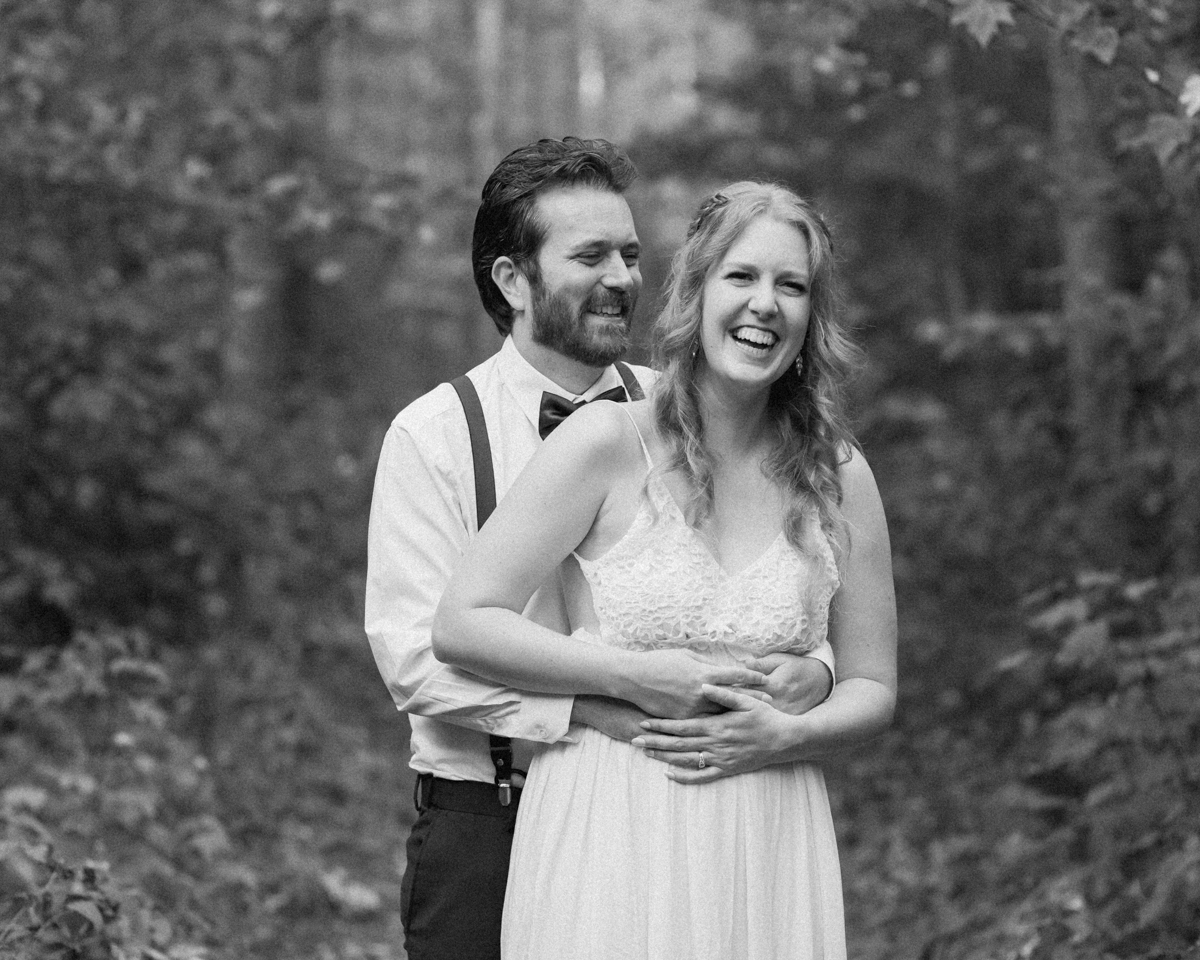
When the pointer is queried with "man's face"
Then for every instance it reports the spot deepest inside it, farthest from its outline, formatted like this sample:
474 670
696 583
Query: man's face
589 279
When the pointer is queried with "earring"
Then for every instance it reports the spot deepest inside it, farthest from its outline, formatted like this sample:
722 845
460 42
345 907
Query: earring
695 350
800 364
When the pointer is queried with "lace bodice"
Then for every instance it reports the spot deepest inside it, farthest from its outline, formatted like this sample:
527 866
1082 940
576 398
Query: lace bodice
660 586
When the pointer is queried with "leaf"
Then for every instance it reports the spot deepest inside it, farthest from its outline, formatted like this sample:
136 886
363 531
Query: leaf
24 797
1084 646
1097 40
1062 614
1165 135
1190 97
89 911
349 896
981 18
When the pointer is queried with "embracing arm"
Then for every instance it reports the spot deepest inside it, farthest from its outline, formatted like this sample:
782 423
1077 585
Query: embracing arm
862 629
549 511
418 530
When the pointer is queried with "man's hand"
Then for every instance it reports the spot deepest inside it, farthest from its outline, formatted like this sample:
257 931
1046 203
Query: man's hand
617 719
796 684
750 734
669 682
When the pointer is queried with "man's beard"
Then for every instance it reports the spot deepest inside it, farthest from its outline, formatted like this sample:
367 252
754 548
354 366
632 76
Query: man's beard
561 325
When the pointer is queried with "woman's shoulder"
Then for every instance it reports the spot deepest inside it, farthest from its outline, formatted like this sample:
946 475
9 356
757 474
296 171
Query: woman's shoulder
860 493
604 431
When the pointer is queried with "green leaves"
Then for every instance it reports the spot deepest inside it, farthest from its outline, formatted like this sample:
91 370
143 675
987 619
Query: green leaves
1189 97
1166 134
981 18
1098 40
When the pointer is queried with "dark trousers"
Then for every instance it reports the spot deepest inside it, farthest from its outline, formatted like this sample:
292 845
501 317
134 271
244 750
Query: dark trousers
453 890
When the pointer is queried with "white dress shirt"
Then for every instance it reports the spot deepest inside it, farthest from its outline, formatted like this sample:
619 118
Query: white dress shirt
422 516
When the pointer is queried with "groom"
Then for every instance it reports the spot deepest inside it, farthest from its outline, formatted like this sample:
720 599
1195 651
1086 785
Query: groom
555 257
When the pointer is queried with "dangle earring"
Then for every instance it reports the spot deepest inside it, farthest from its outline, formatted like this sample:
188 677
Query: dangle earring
800 364
695 350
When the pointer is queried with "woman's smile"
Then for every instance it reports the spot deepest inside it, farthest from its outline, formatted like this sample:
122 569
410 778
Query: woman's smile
756 304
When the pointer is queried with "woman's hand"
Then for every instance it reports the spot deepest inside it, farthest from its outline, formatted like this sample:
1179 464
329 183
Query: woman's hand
750 734
672 683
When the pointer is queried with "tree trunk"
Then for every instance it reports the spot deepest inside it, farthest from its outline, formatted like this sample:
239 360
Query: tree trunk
1085 182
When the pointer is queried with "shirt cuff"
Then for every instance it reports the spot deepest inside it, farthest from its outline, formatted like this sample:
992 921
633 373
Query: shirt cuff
542 718
824 653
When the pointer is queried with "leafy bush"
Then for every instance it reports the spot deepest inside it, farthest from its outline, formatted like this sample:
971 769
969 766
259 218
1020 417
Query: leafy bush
1057 815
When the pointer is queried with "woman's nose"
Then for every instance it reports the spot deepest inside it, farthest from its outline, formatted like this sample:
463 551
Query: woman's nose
762 300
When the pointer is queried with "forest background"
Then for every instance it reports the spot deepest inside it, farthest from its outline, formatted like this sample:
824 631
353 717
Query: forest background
233 243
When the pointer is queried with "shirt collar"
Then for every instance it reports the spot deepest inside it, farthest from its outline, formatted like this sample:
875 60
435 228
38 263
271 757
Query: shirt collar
526 383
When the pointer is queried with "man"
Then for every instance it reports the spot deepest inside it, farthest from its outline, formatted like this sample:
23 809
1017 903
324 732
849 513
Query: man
555 257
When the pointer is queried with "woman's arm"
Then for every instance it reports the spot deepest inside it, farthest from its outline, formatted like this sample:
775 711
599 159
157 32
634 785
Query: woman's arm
862 630
563 498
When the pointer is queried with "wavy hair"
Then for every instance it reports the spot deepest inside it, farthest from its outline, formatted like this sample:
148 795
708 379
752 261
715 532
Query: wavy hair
811 439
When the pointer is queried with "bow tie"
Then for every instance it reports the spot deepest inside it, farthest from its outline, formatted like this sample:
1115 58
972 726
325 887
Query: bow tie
554 409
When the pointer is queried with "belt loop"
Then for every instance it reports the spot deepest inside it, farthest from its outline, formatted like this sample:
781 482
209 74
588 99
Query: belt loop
420 793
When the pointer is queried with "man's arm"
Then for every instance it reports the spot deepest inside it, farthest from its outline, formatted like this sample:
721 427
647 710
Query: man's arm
419 528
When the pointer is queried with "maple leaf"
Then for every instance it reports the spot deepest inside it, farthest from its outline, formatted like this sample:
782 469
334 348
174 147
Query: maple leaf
982 18
1190 97
1165 135
1099 41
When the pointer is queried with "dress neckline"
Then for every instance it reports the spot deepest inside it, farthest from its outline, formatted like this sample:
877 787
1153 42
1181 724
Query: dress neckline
665 495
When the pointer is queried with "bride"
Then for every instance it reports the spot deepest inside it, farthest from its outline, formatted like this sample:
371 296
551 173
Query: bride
728 515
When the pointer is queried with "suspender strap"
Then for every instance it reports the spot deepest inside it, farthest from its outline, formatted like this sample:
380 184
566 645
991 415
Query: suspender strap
481 448
485 503
632 387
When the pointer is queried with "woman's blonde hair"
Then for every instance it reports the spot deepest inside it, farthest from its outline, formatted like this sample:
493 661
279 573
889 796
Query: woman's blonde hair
806 409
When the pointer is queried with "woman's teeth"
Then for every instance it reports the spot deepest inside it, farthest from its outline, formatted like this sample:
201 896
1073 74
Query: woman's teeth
759 339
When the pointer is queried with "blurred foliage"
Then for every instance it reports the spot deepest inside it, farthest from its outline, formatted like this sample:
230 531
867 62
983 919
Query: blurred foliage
124 834
180 557
196 757
1058 815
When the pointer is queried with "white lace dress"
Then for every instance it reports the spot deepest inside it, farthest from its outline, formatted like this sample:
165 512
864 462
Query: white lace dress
610 858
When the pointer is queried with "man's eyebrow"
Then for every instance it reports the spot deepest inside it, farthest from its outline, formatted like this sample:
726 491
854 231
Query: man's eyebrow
599 243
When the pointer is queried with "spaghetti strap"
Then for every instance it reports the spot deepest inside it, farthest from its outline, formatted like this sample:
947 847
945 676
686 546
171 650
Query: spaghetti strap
637 430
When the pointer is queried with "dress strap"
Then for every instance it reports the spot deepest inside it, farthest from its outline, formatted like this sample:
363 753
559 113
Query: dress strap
637 430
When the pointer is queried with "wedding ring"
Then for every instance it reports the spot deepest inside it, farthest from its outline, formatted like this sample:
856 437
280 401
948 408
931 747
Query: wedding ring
700 762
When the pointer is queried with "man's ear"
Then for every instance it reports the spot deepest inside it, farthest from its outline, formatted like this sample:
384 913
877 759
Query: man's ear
512 283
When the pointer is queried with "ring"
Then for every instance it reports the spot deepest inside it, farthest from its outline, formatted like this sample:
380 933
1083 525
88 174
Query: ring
700 764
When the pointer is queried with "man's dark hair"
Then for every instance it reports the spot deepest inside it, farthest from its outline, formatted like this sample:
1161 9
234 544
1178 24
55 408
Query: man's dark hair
505 225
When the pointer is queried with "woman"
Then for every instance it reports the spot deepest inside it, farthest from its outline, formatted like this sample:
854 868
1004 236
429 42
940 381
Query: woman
720 517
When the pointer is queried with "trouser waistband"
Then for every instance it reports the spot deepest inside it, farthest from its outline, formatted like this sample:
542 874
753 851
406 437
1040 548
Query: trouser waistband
463 796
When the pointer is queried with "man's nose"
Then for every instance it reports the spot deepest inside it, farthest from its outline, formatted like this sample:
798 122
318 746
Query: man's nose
618 275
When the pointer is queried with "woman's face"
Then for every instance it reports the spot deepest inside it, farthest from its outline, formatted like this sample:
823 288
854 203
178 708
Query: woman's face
756 306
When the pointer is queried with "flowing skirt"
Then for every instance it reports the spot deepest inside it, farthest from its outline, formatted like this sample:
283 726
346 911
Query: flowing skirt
613 861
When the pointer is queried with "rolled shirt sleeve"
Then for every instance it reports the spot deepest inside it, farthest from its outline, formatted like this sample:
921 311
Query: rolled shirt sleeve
422 516
824 653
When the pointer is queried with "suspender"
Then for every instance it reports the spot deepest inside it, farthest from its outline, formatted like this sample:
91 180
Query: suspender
632 387
485 503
